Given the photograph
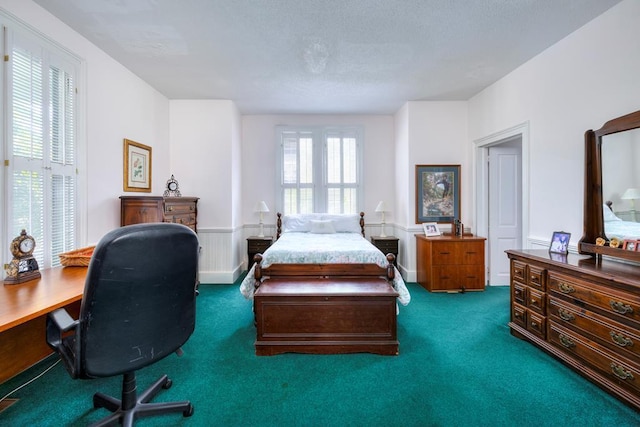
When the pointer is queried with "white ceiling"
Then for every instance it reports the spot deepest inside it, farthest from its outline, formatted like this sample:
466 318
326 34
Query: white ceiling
323 56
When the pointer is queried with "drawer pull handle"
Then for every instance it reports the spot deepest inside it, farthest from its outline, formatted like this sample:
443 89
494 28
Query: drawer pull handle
170 208
620 339
566 315
534 278
565 341
191 208
620 307
445 253
533 301
566 289
621 373
534 324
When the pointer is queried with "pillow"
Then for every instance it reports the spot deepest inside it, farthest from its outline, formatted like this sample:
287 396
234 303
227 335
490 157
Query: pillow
344 223
300 223
608 214
322 227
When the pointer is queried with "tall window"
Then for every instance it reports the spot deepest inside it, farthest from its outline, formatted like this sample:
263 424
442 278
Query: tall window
40 147
320 170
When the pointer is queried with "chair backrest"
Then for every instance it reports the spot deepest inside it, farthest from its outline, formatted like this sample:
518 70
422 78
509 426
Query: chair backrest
139 298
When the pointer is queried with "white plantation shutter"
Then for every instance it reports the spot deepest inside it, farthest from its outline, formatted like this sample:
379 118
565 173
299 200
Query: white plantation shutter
41 130
320 170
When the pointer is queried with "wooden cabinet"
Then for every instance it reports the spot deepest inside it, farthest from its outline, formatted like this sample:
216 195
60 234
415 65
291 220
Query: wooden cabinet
450 263
584 311
387 245
141 209
257 245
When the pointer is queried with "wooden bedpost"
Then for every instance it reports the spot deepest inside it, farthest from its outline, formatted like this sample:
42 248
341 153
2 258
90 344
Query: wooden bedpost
257 273
278 225
362 223
390 270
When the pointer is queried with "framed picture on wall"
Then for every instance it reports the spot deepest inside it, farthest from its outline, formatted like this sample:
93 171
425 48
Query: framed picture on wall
437 193
137 167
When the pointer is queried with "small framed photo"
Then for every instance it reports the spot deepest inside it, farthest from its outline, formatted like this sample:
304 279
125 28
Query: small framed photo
560 242
630 245
430 228
137 167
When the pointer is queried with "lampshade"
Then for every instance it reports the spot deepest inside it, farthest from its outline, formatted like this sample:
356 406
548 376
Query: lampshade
631 194
382 207
261 206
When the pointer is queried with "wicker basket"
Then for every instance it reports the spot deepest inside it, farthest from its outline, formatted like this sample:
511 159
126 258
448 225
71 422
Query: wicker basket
78 258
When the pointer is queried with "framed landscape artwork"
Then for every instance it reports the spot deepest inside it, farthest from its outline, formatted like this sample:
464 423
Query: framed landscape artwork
137 167
437 193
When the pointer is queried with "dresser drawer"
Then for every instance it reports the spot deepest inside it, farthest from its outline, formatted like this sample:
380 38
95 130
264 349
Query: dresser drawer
471 253
185 219
624 308
616 368
519 271
387 246
614 335
536 301
536 277
176 208
444 253
537 324
258 246
519 293
519 315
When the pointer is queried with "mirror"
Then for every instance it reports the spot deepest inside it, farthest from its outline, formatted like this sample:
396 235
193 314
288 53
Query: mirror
612 187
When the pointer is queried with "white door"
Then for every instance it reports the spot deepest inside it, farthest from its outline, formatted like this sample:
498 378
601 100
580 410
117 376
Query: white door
505 207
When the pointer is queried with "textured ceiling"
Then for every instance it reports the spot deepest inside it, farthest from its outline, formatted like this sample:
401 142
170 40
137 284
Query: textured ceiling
323 56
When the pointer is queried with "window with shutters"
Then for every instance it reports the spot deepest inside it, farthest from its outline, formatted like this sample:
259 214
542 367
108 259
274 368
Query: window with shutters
40 143
320 170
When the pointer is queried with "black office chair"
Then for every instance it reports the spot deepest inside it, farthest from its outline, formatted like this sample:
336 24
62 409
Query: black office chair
138 307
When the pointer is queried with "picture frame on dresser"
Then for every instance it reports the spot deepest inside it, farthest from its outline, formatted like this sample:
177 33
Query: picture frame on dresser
137 167
431 229
560 242
437 193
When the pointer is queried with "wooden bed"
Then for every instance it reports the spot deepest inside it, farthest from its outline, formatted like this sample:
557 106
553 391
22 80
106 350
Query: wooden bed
325 308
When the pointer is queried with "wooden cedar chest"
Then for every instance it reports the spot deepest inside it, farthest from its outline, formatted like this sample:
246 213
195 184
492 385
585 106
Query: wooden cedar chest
326 316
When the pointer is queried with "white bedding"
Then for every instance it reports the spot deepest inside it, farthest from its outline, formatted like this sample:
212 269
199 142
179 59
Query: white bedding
333 248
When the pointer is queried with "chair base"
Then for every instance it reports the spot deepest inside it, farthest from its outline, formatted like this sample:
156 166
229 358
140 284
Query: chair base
133 406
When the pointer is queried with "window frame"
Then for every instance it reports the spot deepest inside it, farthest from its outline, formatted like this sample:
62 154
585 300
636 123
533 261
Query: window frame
319 135
57 56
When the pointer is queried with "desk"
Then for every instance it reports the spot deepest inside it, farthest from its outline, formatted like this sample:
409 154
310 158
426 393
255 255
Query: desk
23 311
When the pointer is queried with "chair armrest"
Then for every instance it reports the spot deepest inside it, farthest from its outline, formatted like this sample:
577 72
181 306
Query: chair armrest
62 320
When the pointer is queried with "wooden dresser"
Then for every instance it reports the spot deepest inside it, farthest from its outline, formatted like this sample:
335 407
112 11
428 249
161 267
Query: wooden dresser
140 209
583 311
450 263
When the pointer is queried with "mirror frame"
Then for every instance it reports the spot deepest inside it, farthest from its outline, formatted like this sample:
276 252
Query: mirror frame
593 201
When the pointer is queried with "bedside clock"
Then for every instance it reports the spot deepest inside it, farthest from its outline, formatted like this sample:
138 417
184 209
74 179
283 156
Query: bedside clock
23 267
172 188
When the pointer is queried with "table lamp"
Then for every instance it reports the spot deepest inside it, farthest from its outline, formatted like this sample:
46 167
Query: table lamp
382 207
261 207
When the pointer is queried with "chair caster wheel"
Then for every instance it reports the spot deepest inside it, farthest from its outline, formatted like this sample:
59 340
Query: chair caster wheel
188 412
167 385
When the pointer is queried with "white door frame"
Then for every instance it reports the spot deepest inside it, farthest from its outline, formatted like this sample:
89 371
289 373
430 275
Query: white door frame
481 195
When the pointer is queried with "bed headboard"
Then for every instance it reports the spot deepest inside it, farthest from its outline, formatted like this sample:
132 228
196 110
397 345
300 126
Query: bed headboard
279 224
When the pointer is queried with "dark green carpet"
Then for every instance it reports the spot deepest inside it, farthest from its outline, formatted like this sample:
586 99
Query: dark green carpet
458 366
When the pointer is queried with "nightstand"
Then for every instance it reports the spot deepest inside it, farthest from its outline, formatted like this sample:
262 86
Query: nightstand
387 244
257 245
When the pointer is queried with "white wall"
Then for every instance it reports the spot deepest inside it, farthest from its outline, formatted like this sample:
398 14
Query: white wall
205 159
116 105
579 83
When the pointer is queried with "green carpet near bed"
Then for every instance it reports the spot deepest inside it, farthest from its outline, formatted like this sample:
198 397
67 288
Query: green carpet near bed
458 366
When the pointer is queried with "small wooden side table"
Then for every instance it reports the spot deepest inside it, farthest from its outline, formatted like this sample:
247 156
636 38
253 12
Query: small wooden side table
257 245
387 244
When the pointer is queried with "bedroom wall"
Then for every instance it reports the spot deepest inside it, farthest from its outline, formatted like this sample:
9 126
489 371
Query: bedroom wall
117 104
584 80
206 161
